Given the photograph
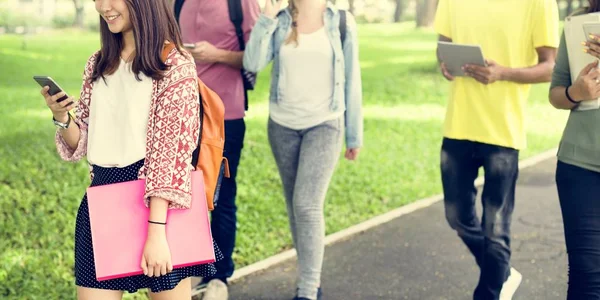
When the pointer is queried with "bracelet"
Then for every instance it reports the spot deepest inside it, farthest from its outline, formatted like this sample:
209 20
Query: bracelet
569 97
158 223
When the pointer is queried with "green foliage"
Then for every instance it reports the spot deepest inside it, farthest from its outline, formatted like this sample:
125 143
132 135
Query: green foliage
62 21
404 104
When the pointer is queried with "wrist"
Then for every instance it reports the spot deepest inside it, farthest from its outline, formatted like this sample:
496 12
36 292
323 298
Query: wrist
573 95
220 56
504 74
156 230
63 118
157 218
270 15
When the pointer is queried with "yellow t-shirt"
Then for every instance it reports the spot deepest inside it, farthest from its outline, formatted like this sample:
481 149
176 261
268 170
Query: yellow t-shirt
508 31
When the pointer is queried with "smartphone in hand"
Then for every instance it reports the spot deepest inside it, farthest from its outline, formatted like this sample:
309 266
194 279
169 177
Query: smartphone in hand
54 87
189 45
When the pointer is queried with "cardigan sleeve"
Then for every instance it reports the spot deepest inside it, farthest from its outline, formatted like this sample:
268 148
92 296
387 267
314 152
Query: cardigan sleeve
173 133
82 115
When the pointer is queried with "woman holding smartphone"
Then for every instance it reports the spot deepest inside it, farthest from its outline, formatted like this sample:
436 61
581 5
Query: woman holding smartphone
578 167
137 117
315 97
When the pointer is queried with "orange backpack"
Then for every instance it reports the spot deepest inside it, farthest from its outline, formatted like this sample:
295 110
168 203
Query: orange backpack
208 157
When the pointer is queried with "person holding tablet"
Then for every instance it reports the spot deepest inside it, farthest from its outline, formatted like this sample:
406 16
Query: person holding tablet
578 166
484 124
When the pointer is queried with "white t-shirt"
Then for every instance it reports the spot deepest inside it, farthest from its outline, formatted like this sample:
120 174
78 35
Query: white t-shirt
306 82
118 122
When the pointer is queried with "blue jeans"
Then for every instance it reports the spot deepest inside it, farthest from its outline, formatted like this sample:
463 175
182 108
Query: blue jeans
488 240
306 160
224 220
578 191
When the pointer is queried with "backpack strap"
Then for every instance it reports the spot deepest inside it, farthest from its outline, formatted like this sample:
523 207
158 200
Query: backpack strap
236 15
177 9
343 26
196 153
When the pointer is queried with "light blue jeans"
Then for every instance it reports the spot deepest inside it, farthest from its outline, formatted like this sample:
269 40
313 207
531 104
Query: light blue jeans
306 160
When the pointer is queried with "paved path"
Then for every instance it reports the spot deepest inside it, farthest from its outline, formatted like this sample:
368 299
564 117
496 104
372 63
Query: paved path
417 256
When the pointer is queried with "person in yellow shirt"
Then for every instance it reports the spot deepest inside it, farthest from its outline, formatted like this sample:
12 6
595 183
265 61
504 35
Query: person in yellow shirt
484 124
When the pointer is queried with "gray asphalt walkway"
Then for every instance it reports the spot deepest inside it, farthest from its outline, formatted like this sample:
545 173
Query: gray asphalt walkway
417 256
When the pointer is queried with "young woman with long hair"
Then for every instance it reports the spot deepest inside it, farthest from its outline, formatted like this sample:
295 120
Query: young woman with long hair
316 97
137 117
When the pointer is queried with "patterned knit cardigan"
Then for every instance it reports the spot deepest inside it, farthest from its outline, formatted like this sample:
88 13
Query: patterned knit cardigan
172 133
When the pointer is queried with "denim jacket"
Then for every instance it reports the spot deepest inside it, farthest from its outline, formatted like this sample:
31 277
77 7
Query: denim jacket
266 39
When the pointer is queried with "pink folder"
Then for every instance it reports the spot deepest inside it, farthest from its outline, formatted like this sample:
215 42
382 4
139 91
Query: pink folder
119 223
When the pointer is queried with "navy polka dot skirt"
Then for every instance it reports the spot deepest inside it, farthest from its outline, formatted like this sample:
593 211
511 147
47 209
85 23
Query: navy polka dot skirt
85 274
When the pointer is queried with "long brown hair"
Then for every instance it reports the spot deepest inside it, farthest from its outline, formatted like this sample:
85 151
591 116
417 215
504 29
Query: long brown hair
594 6
153 23
293 38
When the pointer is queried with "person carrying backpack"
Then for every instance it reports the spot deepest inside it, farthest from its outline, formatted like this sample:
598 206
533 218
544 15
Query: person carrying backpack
137 118
316 96
217 32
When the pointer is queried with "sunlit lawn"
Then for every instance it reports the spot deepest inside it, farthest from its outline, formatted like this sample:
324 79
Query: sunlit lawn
404 102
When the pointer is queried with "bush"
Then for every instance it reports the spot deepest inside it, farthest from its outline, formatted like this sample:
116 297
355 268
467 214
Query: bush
62 21
92 24
4 18
364 19
10 20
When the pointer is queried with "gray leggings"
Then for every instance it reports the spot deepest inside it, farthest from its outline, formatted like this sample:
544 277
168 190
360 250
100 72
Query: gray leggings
306 160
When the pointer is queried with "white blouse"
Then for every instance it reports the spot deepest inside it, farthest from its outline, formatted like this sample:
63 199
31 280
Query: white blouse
118 121
306 71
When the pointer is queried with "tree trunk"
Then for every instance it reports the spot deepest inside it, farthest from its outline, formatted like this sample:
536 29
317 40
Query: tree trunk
399 10
426 12
351 6
79 14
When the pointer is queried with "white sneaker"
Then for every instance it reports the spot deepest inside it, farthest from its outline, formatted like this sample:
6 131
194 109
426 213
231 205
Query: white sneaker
511 285
216 290
198 288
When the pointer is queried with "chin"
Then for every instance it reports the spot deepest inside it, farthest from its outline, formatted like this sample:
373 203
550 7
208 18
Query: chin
115 30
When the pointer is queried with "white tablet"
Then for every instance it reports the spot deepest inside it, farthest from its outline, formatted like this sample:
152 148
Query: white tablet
455 56
591 28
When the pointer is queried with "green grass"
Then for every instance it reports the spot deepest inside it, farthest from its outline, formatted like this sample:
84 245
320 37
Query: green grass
404 102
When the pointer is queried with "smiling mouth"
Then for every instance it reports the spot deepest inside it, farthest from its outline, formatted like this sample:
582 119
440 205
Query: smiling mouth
111 18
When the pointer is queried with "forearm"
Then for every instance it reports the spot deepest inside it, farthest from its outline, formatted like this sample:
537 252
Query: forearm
71 134
233 59
559 100
158 209
260 48
539 73
158 213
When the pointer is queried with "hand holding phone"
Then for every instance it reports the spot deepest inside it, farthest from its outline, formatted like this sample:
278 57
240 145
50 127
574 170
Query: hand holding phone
55 97
53 87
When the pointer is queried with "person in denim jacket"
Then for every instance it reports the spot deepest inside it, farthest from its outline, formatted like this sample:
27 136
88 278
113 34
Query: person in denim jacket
316 97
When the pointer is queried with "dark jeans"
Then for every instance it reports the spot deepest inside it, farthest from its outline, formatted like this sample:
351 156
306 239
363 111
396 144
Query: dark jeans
224 220
488 240
579 194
